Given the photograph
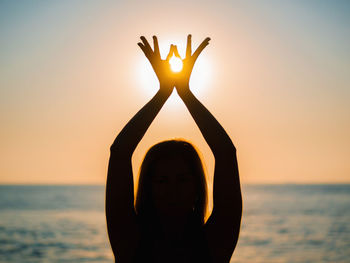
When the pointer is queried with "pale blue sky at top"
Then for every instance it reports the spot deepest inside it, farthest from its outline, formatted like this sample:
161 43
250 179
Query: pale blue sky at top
276 75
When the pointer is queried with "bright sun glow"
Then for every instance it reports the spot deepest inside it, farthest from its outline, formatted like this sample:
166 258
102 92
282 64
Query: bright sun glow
147 80
175 64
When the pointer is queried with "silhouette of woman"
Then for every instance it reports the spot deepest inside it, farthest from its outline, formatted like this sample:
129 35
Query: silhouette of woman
167 223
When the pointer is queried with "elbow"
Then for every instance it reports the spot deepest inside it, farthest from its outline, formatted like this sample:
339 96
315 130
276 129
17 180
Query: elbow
120 151
115 147
224 149
230 146
225 154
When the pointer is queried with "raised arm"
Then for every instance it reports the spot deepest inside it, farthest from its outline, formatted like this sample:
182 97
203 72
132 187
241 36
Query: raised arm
223 226
121 218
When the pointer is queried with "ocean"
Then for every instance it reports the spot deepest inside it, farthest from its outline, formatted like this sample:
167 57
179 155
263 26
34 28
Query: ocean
281 223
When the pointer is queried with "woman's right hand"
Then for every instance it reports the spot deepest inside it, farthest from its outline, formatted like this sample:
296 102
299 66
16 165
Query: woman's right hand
160 67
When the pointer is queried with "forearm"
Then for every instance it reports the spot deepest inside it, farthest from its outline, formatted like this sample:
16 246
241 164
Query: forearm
119 190
214 134
135 129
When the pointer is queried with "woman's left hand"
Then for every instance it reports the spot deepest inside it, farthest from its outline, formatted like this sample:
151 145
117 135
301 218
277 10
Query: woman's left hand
182 78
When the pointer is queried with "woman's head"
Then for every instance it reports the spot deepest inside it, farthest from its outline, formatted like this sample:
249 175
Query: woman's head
172 182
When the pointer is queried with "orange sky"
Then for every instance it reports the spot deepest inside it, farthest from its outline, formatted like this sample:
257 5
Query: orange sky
275 75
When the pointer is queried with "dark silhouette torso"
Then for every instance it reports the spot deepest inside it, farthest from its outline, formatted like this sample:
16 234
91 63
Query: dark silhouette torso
156 249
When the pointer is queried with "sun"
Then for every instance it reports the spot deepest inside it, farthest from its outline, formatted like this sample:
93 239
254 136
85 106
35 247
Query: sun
175 64
147 80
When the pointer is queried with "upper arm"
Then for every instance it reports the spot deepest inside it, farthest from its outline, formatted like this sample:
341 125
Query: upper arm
122 223
222 227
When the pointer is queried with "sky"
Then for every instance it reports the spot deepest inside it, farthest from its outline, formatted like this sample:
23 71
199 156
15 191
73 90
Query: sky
276 75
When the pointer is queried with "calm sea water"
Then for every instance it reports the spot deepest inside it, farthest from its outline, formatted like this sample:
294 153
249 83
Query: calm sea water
281 223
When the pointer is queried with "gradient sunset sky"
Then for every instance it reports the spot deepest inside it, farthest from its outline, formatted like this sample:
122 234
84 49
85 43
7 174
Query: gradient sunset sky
276 75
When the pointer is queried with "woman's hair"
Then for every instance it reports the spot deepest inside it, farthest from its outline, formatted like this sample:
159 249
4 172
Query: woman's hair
162 151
